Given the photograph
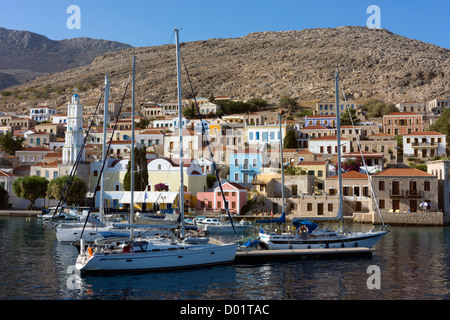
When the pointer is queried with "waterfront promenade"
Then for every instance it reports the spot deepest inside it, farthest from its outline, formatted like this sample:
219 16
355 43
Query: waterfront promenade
19 213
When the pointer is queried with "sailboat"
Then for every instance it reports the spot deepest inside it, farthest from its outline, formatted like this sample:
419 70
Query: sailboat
91 229
139 254
309 235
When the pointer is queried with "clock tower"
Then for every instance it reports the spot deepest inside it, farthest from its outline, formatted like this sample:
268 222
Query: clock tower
74 132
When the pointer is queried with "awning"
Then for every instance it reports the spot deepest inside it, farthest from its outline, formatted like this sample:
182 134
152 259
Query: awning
167 197
149 197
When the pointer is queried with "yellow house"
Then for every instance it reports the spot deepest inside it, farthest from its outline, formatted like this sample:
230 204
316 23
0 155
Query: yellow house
319 169
113 173
262 179
167 171
215 127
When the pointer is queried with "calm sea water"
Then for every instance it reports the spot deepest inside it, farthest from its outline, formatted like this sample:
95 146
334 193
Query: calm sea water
413 262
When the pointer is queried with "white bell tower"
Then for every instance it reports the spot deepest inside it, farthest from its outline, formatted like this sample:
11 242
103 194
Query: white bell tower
74 131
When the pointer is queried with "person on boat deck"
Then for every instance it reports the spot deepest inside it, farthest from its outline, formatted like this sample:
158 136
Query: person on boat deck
303 232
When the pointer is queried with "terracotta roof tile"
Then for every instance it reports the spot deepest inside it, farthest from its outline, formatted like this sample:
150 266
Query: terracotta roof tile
312 163
425 133
402 172
351 175
333 137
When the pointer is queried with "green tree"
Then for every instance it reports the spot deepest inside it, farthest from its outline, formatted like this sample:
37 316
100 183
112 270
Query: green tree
442 125
10 144
140 174
304 113
294 171
290 140
345 117
210 179
376 108
287 102
76 193
190 112
143 124
257 103
30 188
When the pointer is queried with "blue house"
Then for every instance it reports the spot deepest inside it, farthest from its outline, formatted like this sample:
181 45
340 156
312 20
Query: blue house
245 165
327 121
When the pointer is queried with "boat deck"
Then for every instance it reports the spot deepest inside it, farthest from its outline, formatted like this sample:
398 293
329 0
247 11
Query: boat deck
273 255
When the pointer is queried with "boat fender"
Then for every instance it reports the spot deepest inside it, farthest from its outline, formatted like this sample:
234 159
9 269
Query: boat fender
128 249
90 251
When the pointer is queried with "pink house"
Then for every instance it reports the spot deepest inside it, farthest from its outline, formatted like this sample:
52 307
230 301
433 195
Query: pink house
235 195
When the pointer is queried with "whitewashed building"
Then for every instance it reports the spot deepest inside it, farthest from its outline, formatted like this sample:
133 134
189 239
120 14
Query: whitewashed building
328 145
42 113
424 145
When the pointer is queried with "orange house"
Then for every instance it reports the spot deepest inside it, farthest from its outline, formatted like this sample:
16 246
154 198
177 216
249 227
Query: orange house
401 123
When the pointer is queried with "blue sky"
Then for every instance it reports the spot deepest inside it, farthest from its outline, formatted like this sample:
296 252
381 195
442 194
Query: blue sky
151 22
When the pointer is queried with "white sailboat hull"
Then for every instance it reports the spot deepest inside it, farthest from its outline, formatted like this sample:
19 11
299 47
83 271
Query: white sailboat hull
159 257
224 228
90 234
360 239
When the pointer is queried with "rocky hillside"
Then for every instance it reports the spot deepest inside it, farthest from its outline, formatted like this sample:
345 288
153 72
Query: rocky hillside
27 55
268 65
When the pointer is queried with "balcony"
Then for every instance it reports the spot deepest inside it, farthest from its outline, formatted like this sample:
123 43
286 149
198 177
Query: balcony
406 194
425 145
259 182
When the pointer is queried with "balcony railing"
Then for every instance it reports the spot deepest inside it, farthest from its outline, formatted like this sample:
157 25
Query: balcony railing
425 144
406 194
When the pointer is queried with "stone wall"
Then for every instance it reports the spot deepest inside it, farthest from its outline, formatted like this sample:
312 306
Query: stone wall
407 218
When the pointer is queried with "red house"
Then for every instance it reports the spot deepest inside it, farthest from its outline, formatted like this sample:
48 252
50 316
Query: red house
401 123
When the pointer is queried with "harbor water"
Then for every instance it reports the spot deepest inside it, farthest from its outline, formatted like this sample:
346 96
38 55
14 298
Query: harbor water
409 263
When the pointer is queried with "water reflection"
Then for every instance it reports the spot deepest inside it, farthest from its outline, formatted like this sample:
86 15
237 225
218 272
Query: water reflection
414 264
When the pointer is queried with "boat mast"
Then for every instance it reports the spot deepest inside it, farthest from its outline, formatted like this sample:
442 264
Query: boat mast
105 122
281 161
132 150
338 134
180 133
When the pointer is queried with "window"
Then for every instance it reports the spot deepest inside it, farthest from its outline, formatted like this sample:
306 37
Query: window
236 162
95 173
346 191
427 186
309 206
330 207
365 191
381 185
381 204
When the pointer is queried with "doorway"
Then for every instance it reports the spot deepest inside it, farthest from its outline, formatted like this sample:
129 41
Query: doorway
413 205
320 209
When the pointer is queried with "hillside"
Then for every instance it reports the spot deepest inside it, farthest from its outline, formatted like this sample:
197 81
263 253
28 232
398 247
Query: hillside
269 65
26 55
